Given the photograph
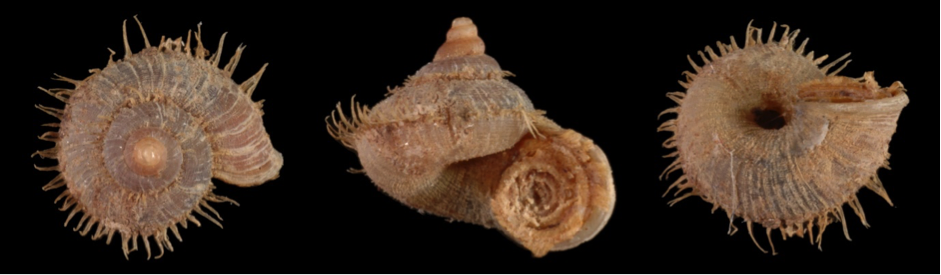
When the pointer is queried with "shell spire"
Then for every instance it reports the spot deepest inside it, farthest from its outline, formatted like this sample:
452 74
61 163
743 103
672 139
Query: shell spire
461 57
462 40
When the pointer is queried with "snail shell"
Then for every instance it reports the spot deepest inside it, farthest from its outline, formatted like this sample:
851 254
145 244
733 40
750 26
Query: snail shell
460 141
766 134
140 140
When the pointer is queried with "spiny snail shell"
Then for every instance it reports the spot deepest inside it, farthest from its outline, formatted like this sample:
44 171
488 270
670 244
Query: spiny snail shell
460 141
141 139
765 134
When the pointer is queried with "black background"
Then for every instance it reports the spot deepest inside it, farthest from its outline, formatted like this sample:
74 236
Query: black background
600 70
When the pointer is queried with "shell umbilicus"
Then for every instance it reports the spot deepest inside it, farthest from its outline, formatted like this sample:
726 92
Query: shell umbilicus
768 135
460 141
140 140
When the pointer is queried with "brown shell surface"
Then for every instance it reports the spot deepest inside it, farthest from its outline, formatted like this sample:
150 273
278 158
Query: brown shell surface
770 136
140 140
460 141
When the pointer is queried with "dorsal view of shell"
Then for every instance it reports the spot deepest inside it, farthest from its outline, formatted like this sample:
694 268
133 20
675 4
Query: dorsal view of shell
139 140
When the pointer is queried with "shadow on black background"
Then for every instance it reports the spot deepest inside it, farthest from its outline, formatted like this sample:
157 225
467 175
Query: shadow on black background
602 71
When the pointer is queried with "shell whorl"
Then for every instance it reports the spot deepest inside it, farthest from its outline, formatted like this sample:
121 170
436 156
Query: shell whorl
141 139
462 41
460 141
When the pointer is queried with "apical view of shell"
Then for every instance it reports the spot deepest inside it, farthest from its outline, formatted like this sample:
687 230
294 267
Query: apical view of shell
767 133
460 141
140 140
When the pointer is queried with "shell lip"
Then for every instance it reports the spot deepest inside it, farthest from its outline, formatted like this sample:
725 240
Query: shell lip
894 103
841 89
599 215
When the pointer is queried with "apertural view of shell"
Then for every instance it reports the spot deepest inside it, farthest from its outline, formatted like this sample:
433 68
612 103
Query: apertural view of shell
460 141
770 136
140 140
